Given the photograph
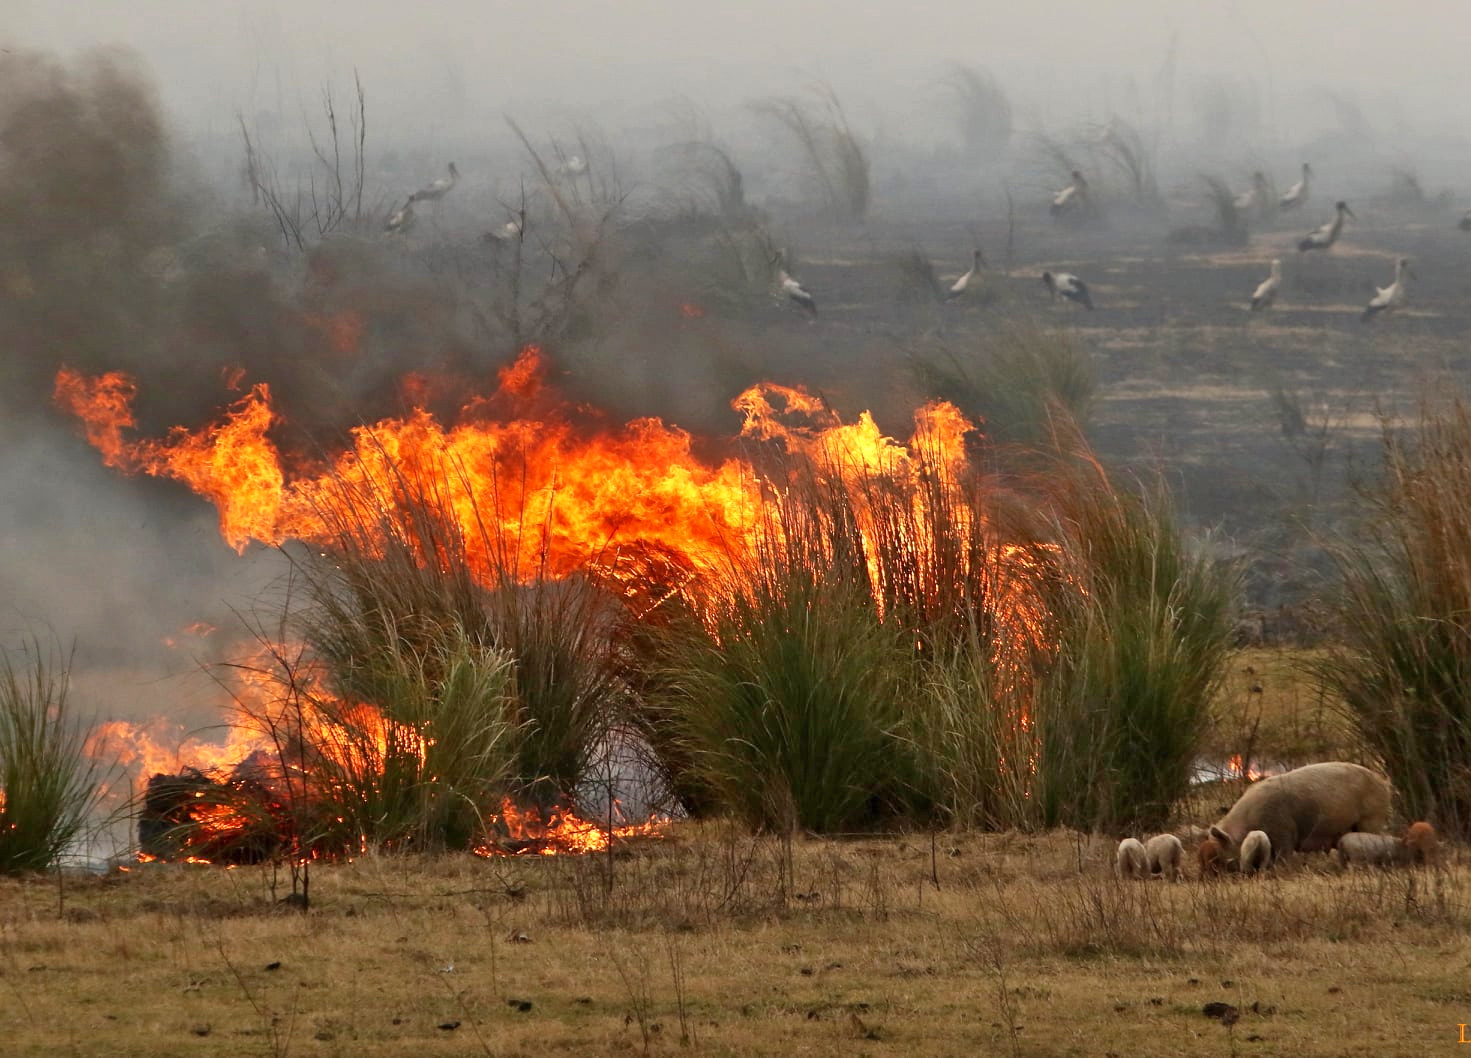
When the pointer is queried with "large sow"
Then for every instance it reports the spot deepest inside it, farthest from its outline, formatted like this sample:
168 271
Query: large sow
1307 809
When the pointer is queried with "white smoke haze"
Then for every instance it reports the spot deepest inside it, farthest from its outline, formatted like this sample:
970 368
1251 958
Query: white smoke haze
129 240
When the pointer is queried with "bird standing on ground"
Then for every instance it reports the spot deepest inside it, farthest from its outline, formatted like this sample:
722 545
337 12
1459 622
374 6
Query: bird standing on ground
1297 194
437 190
790 287
1071 198
402 219
962 285
1323 237
1069 286
1392 297
1266 293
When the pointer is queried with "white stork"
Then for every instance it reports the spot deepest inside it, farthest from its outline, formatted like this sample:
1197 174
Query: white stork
1323 237
437 190
402 219
1072 197
573 166
1266 292
1392 297
790 287
961 286
1297 194
1069 286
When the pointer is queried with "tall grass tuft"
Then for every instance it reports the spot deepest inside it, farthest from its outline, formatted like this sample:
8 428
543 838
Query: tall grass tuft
915 281
1403 660
1123 146
1229 221
983 111
1145 626
789 693
414 767
838 161
1017 382
439 628
49 785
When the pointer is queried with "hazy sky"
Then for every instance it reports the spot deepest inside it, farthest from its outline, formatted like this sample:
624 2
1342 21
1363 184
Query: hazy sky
462 59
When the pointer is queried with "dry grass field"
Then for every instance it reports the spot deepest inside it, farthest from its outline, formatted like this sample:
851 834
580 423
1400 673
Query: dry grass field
713 941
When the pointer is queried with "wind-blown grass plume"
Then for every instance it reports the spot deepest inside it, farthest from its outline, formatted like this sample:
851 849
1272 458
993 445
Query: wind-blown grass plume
983 111
1230 226
733 269
837 160
1123 147
1403 658
1144 630
49 784
1229 221
1055 159
714 179
1016 381
915 281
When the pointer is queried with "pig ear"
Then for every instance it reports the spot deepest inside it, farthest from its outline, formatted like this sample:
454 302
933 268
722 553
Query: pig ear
1222 837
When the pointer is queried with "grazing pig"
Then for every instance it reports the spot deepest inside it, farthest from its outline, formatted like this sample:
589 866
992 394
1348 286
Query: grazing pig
1256 852
1307 809
1422 843
1165 856
1378 850
1210 859
1131 861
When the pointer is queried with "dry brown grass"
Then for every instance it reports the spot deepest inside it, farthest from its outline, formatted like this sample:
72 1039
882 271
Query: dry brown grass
1272 709
741 946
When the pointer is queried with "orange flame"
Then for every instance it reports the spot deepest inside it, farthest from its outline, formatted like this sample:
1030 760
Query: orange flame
561 831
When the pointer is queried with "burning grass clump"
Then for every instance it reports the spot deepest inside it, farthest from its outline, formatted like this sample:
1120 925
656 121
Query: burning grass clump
49 784
1402 661
862 666
1144 631
432 686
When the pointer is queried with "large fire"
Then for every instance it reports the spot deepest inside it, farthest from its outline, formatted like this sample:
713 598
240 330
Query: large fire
539 488
567 497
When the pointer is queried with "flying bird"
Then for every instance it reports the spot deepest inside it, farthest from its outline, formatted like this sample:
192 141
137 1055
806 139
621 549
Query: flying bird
961 286
1392 297
1072 197
402 219
790 287
1069 286
1266 293
1323 238
437 190
1297 194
